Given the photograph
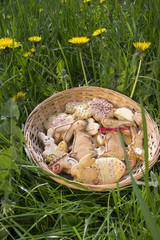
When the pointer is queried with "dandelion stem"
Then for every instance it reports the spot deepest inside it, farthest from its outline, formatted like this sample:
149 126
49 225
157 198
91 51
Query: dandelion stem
66 84
26 111
135 82
84 73
94 72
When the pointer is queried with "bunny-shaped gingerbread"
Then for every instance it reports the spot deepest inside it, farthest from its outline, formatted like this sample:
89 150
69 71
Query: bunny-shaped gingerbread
98 171
135 149
112 141
82 142
51 149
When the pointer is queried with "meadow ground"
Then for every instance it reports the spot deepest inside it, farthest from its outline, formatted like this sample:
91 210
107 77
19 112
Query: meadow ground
33 206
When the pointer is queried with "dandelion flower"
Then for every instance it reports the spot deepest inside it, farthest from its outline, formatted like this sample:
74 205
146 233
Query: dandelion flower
79 40
8 43
99 31
35 39
14 98
88 2
101 1
81 8
63 1
41 10
8 17
142 45
33 50
19 97
27 54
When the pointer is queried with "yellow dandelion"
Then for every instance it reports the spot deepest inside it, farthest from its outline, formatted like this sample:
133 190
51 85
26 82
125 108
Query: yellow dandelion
101 1
19 97
27 54
87 1
79 40
41 10
33 50
14 98
63 1
35 39
8 43
81 8
99 31
8 16
142 45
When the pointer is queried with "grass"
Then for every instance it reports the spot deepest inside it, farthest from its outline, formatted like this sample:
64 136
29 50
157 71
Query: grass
33 206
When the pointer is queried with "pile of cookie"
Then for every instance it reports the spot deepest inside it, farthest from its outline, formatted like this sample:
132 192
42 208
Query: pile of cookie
83 142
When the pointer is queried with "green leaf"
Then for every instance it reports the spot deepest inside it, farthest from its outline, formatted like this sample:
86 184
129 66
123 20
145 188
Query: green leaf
10 110
154 181
121 80
110 71
60 66
73 220
133 67
9 129
3 233
7 164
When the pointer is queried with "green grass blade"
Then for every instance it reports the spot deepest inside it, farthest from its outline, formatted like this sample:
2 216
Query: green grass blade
144 208
145 137
77 233
65 63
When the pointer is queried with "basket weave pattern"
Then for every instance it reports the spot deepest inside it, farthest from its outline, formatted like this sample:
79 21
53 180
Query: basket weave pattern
56 104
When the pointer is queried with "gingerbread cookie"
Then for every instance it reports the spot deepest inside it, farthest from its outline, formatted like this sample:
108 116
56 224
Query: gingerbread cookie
112 140
98 140
101 108
92 127
101 101
110 170
135 149
100 151
82 142
124 113
83 112
71 107
63 163
51 149
137 117
58 120
98 171
132 162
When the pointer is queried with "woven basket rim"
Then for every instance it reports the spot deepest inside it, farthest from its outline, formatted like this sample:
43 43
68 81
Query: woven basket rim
84 89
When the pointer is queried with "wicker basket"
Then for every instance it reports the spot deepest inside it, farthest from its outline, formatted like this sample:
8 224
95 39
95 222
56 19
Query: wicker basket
56 104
